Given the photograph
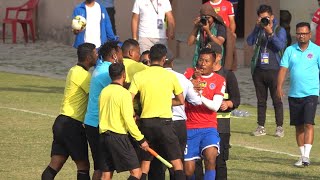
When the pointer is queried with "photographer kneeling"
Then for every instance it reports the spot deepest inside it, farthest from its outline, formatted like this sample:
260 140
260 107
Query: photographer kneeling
269 40
208 27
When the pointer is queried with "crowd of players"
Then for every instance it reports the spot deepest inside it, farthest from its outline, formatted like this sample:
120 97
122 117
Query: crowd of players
127 107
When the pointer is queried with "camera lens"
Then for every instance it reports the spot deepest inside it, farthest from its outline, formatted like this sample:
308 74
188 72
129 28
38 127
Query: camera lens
203 20
264 21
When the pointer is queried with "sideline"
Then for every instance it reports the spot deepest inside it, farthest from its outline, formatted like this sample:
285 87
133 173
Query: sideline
27 111
265 150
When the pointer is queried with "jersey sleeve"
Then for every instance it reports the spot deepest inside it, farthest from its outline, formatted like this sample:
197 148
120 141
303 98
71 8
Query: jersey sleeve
177 89
316 17
133 85
221 87
167 6
188 73
221 31
127 114
191 95
285 58
230 9
136 8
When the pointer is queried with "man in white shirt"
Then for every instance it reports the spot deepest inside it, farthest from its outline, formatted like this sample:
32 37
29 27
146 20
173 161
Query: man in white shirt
149 16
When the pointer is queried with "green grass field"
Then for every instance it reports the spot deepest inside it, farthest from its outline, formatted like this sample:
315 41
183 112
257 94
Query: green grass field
29 105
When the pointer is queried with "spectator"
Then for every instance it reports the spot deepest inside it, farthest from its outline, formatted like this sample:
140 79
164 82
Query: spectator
149 16
231 100
302 59
144 58
210 28
225 9
96 16
269 39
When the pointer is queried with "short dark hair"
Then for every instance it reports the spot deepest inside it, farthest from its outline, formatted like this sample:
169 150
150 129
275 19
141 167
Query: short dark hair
116 70
129 44
85 50
157 52
264 8
207 51
107 48
303 24
148 51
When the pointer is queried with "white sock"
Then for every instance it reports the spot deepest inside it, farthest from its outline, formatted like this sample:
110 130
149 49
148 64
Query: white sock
307 149
301 150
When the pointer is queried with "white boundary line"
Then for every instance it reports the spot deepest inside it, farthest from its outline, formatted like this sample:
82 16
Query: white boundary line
265 150
247 147
27 111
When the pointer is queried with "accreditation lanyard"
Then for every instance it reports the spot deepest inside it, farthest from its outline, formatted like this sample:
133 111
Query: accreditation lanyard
156 10
265 48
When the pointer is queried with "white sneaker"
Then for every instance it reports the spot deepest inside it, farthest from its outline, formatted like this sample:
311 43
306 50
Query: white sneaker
279 132
305 161
260 131
299 163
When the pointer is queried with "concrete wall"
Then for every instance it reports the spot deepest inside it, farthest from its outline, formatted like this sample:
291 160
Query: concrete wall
300 11
53 20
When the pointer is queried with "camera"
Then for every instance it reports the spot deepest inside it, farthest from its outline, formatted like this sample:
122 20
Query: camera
264 21
203 20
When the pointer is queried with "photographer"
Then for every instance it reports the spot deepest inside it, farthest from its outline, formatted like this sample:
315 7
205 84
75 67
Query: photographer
269 40
208 27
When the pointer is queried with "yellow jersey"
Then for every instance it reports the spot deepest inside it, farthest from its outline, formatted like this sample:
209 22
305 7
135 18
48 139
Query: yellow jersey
156 86
116 112
75 98
132 67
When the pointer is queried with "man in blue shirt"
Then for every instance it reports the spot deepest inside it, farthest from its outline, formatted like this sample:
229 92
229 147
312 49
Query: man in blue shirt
303 61
269 40
96 16
110 53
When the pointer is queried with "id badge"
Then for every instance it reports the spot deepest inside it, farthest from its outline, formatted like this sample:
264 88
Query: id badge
264 58
159 23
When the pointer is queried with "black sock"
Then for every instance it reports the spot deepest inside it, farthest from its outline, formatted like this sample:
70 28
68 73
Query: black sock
48 174
179 175
83 175
132 178
144 176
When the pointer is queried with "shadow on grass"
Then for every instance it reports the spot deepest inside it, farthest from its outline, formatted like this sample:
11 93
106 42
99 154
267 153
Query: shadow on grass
242 132
36 89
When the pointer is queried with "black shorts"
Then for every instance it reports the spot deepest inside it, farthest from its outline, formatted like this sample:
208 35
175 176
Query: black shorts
302 110
180 129
69 138
117 153
93 139
159 132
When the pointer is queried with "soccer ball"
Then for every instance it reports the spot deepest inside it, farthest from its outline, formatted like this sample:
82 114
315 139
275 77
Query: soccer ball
79 23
